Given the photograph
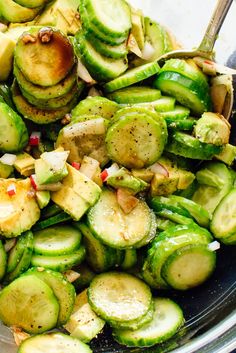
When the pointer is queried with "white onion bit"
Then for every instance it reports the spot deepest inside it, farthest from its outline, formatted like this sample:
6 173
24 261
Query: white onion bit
215 245
158 168
8 159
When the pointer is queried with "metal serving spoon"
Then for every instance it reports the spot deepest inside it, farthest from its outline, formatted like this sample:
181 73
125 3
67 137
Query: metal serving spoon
205 49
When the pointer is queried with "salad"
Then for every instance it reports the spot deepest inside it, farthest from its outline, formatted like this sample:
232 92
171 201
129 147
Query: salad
116 179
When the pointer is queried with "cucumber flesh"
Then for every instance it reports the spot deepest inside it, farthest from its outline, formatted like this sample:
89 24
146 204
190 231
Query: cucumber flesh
119 296
189 266
29 303
124 230
57 240
60 263
95 106
135 94
132 76
179 112
167 319
62 289
51 342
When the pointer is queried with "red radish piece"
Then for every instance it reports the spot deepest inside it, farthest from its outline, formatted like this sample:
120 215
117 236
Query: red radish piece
76 165
33 181
34 139
158 168
11 190
104 175
126 200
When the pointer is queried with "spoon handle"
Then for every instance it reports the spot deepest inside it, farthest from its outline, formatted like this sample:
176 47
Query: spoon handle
214 26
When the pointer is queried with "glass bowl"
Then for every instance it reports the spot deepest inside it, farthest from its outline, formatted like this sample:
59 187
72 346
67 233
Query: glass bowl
210 310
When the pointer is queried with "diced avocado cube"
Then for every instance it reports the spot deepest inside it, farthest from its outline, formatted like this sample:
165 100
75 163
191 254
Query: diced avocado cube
185 179
24 164
43 198
91 168
227 155
162 185
6 56
124 179
5 170
144 174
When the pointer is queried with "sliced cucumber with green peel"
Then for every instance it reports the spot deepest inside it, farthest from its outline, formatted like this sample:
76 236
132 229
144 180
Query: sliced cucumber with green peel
3 260
100 67
164 104
186 91
57 240
130 260
223 223
119 297
209 196
39 116
36 59
51 341
188 146
198 212
13 131
29 303
39 92
23 262
154 36
179 112
167 319
116 229
59 263
113 19
135 94
13 12
186 68
31 4
175 217
17 251
181 125
95 106
160 203
164 224
111 51
189 266
51 221
100 257
136 140
132 76
63 290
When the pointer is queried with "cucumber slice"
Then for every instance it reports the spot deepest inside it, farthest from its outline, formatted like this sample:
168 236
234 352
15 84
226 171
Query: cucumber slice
208 196
175 217
136 140
152 233
13 131
95 106
111 51
113 19
135 94
123 230
167 319
57 240
13 12
29 303
63 290
36 59
187 68
17 251
100 67
53 103
223 222
39 92
179 112
130 260
3 260
24 262
60 263
94 31
134 324
198 212
160 203
164 224
119 297
164 104
100 257
31 4
50 211
132 76
181 125
51 221
85 278
185 90
39 116
188 146
189 267
155 36
49 342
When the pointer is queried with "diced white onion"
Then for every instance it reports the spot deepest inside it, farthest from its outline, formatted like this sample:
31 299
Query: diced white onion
158 168
148 51
215 245
8 159
83 73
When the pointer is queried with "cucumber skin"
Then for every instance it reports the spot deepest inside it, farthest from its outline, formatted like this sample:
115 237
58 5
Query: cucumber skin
3 260
58 218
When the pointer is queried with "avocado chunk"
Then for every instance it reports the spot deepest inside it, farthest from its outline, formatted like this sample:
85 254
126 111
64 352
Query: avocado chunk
6 56
5 170
91 168
19 212
227 155
212 128
51 167
43 198
13 12
61 14
123 178
24 164
144 174
77 195
175 179
84 324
